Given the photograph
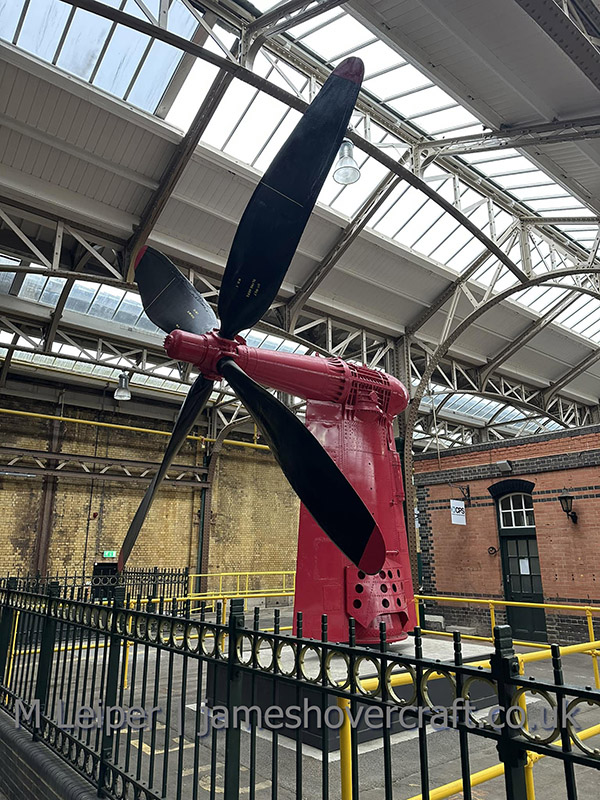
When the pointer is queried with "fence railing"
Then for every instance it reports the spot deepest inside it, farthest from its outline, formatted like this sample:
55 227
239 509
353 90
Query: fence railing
163 703
276 583
146 582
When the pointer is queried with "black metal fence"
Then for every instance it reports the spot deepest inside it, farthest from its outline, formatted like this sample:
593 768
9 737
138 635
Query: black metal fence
146 582
146 702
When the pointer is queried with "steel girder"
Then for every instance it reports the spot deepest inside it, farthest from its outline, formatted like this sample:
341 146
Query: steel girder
562 21
46 331
519 136
26 462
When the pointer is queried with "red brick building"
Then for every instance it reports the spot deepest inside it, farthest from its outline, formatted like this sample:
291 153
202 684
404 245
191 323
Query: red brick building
517 543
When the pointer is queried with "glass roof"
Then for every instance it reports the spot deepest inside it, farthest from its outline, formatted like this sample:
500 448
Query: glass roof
113 305
251 126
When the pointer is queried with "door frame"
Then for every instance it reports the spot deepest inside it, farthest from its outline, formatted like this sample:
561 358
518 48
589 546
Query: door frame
499 491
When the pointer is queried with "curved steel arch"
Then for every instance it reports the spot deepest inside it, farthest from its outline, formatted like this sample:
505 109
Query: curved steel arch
444 346
497 399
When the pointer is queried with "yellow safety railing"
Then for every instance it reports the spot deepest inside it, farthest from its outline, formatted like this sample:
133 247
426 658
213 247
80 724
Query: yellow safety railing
240 584
588 610
371 686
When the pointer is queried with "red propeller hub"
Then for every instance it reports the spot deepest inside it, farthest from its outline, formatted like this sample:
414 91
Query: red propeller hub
369 391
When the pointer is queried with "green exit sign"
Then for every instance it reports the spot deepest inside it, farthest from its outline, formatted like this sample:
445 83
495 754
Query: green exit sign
110 554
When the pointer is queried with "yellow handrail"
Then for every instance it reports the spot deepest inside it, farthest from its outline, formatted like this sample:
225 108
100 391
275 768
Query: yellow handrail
449 789
59 418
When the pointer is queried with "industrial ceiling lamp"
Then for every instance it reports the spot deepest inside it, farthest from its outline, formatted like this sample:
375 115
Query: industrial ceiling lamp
122 391
566 503
346 170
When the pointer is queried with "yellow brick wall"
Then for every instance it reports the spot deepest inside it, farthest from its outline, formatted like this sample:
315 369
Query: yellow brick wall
253 523
254 514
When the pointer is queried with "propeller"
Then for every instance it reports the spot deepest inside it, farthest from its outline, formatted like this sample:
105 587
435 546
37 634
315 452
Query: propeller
265 242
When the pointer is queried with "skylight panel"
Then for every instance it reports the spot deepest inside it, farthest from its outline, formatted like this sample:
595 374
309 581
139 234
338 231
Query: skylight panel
43 27
260 117
81 296
83 43
450 246
421 99
32 287
344 30
465 255
52 291
585 316
258 123
106 302
441 231
377 57
197 84
272 343
304 28
592 324
117 66
129 309
154 76
542 298
446 118
237 97
404 204
10 14
390 83
273 143
6 281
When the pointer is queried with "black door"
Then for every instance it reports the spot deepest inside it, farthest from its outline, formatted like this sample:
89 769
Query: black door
521 567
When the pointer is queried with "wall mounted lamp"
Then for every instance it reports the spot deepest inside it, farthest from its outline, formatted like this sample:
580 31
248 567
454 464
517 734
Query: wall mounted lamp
566 503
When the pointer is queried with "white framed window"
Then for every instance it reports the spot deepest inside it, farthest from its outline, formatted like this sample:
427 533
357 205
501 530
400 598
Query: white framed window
516 511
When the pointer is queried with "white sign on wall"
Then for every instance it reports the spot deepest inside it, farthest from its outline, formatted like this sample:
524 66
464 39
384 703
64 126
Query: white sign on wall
457 511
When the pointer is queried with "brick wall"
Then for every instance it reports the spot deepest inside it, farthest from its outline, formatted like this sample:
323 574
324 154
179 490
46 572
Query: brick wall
30 770
255 512
455 557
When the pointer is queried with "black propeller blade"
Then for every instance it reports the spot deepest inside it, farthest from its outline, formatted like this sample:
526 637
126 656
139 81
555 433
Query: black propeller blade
169 299
193 405
315 477
275 217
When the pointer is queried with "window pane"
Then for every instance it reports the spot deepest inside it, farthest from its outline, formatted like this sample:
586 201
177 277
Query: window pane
129 310
106 301
519 519
81 296
6 279
52 290
32 287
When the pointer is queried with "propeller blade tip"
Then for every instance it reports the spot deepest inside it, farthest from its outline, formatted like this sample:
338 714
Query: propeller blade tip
373 556
139 256
352 69
120 562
